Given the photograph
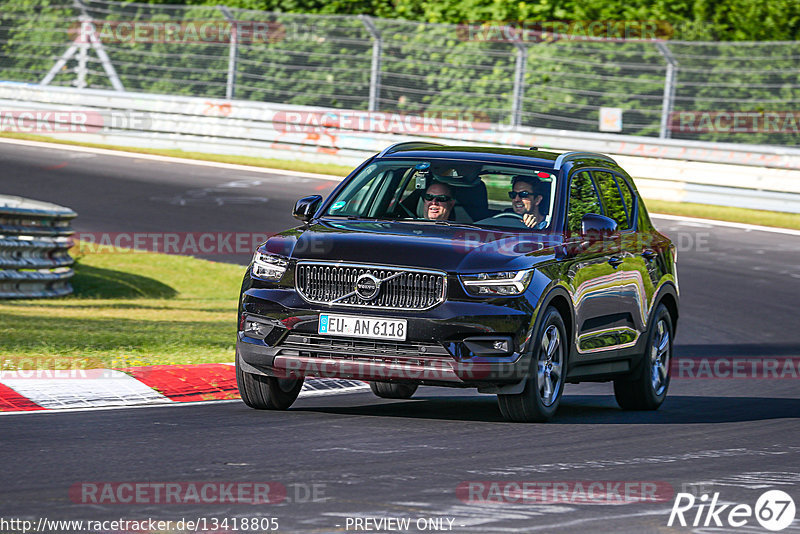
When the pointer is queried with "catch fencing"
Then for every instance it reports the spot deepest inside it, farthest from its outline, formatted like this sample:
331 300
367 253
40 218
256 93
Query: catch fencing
535 79
34 249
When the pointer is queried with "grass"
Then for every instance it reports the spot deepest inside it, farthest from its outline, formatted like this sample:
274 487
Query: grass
704 211
725 213
271 163
128 309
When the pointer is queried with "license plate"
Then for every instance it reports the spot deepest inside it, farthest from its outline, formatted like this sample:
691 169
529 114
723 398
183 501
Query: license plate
366 327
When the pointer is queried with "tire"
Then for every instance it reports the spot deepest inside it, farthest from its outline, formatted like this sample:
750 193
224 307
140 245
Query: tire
539 400
267 392
648 389
389 390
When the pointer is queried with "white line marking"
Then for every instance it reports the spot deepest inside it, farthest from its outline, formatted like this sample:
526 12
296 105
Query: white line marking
171 159
715 222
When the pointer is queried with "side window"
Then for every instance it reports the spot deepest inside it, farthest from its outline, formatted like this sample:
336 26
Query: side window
612 200
582 200
627 196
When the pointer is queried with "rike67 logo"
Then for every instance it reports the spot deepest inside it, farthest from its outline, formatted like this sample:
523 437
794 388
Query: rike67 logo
774 510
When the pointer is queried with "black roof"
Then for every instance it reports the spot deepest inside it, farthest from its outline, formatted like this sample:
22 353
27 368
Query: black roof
514 156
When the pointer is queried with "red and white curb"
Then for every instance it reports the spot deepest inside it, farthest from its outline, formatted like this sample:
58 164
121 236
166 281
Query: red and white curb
135 386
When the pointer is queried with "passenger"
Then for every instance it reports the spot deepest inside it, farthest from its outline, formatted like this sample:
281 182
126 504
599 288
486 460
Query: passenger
526 197
439 202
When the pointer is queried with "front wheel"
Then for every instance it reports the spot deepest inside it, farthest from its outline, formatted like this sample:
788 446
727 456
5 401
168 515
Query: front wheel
267 392
539 400
389 390
649 389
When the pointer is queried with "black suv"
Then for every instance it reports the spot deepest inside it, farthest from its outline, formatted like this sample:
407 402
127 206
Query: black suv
535 269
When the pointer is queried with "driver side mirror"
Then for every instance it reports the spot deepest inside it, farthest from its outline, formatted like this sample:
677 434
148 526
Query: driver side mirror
598 229
306 207
594 226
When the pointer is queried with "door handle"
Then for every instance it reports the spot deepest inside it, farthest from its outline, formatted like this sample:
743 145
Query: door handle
649 255
615 261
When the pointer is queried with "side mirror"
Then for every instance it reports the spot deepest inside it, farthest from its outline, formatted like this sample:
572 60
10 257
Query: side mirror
594 226
306 207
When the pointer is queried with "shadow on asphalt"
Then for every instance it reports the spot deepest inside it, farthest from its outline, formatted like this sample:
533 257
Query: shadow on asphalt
752 350
580 409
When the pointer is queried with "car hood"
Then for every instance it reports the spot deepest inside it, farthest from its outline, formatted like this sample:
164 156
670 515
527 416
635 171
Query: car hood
447 247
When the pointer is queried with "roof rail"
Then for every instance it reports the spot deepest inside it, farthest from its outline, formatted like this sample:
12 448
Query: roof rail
567 156
405 146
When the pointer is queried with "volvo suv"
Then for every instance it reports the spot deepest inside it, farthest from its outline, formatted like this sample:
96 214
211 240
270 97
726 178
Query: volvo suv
506 270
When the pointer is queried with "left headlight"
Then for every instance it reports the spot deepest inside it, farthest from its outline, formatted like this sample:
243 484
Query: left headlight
269 266
501 284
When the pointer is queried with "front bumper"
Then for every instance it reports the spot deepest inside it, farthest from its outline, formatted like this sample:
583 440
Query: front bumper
458 343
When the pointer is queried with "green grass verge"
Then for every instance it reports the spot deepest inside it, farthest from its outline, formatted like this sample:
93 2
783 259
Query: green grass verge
128 309
271 163
704 211
724 213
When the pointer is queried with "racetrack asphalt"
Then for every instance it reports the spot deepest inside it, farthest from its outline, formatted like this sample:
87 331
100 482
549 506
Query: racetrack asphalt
378 458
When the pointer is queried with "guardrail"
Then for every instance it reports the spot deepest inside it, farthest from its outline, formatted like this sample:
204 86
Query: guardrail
34 249
755 176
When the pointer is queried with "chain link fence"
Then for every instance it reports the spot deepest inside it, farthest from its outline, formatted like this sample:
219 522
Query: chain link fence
729 92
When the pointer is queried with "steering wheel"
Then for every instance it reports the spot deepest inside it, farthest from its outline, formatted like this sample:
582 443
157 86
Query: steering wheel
507 214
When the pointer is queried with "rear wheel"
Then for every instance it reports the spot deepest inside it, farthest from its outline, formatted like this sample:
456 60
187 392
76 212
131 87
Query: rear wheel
539 400
267 392
649 389
389 390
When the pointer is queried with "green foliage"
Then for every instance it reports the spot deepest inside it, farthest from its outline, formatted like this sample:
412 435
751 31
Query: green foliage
324 59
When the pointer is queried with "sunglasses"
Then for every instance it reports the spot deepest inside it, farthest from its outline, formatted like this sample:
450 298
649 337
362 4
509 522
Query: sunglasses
439 198
521 194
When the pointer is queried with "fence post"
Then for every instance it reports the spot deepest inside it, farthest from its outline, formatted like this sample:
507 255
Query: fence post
669 89
233 52
375 71
519 82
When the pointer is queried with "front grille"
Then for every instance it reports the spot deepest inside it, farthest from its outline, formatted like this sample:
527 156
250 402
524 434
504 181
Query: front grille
400 288
409 353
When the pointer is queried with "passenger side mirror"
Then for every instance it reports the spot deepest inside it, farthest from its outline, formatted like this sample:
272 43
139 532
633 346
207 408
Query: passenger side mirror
306 207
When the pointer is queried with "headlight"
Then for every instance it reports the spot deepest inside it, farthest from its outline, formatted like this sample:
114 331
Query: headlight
269 266
489 284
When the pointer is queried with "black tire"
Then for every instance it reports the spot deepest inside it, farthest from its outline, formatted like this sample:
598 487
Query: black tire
539 400
643 391
390 390
267 392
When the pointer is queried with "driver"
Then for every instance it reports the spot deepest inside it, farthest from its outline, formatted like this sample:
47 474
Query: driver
439 202
526 197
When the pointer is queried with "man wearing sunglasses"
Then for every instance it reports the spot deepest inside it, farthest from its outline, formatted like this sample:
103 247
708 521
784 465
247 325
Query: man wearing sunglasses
438 201
526 197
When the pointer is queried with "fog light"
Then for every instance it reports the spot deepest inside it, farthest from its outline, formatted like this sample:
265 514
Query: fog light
256 329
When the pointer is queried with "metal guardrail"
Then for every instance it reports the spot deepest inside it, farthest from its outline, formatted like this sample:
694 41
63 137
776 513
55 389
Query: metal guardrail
34 249
754 176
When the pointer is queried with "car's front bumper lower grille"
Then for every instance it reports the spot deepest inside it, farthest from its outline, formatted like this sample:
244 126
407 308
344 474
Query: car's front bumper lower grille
399 288
365 359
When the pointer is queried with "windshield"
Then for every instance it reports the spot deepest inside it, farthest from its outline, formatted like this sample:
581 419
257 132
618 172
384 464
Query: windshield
461 192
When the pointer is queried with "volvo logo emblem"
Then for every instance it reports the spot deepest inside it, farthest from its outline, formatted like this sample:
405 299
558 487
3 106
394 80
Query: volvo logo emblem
367 286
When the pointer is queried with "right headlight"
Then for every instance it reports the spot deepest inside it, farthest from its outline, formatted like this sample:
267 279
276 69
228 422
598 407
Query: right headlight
507 283
269 266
